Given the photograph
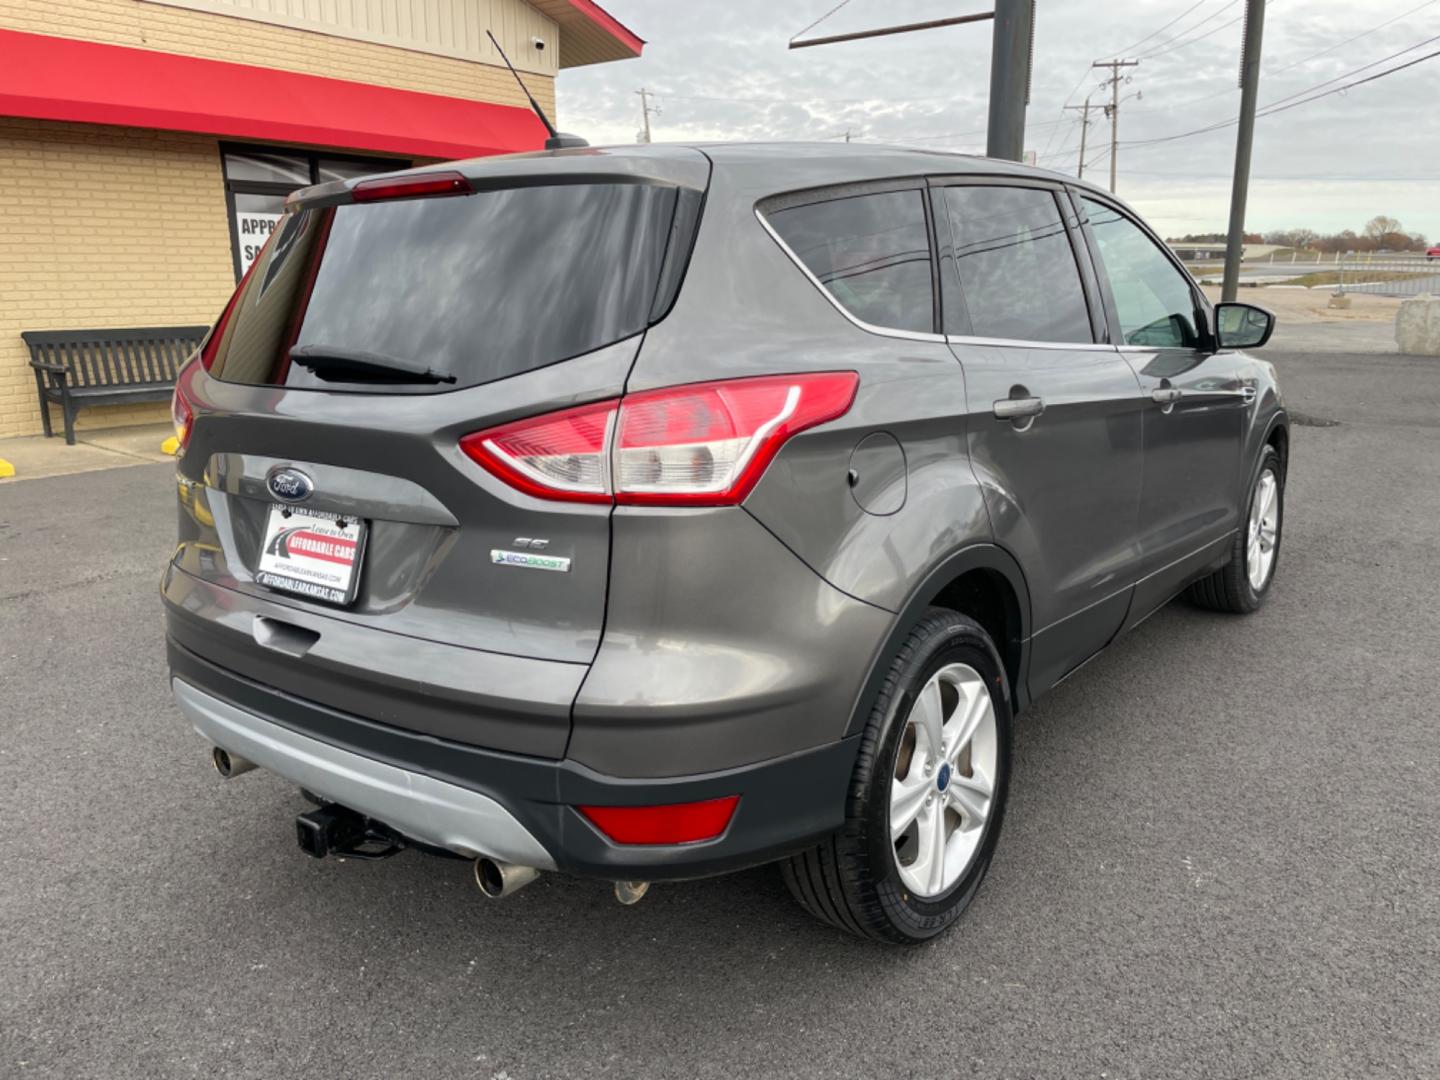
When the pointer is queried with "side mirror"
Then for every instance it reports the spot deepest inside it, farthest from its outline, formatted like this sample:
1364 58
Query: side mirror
1242 326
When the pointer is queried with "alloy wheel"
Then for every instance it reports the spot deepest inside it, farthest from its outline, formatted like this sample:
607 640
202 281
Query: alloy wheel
943 787
1264 531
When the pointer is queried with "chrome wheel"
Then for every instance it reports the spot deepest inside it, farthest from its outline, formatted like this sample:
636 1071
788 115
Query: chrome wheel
1264 530
943 787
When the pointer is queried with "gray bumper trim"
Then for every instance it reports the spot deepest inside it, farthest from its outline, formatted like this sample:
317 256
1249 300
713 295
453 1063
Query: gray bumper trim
417 805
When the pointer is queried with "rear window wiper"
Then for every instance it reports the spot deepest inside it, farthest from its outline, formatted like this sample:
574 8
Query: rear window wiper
339 364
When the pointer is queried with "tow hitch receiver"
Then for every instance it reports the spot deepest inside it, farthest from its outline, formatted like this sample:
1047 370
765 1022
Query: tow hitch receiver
335 830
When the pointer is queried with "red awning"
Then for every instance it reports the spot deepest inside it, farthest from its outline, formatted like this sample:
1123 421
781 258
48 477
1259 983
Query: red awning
51 78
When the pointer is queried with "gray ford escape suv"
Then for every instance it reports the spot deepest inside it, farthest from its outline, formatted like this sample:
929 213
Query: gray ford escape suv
653 512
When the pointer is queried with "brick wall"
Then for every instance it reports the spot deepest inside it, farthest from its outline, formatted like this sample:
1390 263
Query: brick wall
218 37
104 227
123 227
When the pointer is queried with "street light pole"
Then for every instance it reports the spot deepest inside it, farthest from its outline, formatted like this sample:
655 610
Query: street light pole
1010 55
1244 140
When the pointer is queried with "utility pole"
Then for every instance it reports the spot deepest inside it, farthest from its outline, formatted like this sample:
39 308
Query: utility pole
1084 111
1011 49
1010 52
1113 109
1244 141
645 109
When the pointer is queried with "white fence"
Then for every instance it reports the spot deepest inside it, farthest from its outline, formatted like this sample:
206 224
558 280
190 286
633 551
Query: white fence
1389 275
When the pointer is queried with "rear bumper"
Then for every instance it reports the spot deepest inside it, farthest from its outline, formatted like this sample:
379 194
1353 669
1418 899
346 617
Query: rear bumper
511 807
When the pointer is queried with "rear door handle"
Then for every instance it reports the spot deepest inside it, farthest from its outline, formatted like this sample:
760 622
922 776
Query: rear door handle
1166 395
1018 408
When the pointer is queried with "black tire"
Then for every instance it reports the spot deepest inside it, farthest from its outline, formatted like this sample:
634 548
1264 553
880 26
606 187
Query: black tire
850 879
1229 589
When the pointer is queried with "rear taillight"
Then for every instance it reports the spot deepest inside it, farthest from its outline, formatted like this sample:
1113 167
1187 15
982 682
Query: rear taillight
705 444
559 455
182 414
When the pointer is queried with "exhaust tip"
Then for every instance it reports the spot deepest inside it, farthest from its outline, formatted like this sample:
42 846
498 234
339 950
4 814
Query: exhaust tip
229 765
631 892
496 879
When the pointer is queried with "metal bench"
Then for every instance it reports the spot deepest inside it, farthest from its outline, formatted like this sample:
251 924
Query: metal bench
76 368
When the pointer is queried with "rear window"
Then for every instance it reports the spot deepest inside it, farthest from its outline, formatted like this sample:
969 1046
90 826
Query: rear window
473 288
870 252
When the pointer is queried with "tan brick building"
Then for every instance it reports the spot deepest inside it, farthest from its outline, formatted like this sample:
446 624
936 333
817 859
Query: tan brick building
146 145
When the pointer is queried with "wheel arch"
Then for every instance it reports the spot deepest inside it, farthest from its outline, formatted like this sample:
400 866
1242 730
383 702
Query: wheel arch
1278 436
983 581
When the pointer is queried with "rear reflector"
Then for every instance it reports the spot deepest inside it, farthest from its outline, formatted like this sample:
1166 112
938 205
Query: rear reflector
705 444
676 823
411 187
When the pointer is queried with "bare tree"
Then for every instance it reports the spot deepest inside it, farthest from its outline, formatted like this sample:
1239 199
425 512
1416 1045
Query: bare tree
1385 232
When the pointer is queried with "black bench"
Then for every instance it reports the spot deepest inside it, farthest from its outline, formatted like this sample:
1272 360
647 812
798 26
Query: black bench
76 368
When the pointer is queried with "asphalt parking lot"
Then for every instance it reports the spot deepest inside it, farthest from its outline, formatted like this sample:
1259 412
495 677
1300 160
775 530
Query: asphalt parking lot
1220 857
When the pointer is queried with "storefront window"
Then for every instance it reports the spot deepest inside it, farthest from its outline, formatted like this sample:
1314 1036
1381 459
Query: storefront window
257 180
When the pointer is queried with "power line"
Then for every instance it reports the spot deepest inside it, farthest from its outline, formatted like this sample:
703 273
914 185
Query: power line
1199 38
821 19
1306 59
1178 41
1045 150
1357 37
1157 33
1281 106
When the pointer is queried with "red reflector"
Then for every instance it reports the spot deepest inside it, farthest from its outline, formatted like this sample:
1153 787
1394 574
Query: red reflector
411 187
677 823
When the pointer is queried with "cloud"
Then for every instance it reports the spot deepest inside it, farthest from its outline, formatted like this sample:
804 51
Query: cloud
722 71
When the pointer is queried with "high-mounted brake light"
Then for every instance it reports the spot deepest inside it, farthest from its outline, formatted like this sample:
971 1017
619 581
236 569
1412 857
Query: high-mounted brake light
705 444
676 823
411 187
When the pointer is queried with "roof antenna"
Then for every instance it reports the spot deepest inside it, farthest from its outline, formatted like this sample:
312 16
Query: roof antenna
556 141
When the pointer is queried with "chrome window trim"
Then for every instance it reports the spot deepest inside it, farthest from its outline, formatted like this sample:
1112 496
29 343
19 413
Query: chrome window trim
1020 343
869 328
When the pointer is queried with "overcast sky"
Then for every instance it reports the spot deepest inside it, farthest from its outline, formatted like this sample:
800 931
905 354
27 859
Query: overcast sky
721 70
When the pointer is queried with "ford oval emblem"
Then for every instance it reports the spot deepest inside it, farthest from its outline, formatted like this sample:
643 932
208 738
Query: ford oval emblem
289 485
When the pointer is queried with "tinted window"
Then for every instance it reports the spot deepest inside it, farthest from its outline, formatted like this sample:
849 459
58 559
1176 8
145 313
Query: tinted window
1152 297
1017 271
480 286
872 252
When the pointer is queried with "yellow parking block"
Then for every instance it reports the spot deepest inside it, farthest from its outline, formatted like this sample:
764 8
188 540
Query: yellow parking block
6 469
170 445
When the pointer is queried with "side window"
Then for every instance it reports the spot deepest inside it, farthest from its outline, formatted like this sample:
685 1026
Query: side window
871 252
1017 271
1153 298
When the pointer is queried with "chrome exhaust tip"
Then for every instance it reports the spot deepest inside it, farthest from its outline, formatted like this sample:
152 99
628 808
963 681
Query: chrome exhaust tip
496 879
229 765
631 892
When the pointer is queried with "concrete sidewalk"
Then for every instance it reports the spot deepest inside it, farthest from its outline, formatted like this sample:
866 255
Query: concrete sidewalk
35 457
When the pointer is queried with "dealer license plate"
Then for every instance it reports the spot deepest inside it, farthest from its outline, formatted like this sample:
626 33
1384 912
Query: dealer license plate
312 553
